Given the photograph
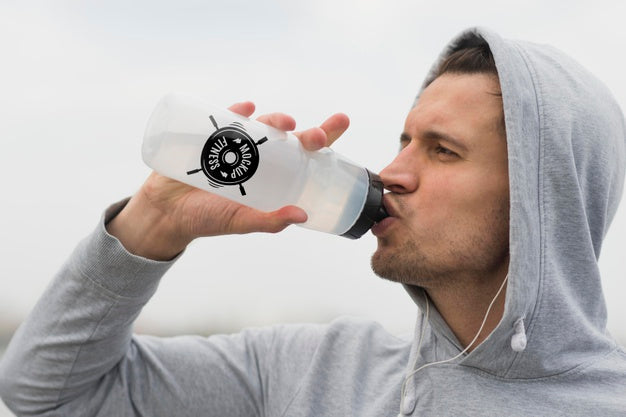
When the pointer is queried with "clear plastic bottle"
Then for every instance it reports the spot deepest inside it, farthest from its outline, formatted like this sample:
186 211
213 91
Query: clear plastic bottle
262 167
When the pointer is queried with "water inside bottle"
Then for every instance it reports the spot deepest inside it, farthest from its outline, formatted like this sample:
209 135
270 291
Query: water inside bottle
334 201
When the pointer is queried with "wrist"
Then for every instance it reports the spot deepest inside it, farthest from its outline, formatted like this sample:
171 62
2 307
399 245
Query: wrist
146 231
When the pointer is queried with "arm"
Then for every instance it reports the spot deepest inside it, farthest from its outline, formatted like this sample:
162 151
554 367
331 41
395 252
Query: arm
76 355
80 328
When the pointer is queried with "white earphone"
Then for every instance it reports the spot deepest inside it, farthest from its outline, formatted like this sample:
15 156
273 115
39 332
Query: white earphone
415 371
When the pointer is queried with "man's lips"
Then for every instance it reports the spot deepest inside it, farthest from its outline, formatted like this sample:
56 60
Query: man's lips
379 228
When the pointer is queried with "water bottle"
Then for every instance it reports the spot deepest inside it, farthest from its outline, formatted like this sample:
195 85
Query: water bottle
259 166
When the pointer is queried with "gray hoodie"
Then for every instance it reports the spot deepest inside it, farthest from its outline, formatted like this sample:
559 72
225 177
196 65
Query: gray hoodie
550 355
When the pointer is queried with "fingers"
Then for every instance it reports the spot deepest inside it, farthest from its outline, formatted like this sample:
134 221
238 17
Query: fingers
280 121
276 221
319 137
312 139
334 127
248 220
244 108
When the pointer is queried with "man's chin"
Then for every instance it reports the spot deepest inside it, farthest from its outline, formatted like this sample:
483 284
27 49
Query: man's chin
385 264
397 263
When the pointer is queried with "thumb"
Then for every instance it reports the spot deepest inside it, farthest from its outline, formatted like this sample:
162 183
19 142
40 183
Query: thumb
276 221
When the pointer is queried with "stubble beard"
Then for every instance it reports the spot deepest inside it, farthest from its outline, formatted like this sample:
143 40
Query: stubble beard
478 254
406 264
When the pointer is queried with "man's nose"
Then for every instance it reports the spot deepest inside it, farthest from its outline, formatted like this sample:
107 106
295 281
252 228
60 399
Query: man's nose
401 175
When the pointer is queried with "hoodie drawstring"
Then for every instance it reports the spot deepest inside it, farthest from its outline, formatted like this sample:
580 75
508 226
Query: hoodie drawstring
518 340
407 408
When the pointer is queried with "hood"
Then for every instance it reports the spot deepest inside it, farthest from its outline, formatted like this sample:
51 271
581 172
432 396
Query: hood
566 148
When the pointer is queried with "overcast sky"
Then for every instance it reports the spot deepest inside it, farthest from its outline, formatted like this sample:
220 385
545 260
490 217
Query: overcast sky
79 80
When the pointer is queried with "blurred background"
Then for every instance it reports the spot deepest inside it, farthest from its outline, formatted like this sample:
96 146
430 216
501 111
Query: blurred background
80 78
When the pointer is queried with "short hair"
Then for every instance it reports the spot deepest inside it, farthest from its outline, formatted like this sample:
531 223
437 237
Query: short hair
470 60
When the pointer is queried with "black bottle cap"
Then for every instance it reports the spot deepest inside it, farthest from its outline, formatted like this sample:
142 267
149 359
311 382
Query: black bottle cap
373 210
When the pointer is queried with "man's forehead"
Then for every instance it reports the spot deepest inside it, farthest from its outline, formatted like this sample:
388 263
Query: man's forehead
458 107
471 92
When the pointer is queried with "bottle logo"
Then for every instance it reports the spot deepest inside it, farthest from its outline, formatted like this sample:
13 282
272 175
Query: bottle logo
229 156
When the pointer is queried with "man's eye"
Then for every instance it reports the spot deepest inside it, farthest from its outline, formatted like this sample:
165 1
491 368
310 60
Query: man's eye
445 151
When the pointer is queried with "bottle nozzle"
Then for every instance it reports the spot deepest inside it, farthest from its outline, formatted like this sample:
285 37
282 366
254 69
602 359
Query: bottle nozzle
373 209
382 213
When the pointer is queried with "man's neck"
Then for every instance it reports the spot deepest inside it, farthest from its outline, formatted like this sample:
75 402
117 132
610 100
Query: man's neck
463 306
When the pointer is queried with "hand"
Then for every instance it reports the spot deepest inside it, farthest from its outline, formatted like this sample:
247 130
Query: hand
165 215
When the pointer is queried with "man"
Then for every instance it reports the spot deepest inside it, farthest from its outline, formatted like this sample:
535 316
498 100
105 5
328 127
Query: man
511 168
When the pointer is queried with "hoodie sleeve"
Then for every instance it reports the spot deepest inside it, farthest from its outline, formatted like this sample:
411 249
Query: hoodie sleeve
76 355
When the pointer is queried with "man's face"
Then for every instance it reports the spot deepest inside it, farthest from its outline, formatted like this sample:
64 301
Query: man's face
449 187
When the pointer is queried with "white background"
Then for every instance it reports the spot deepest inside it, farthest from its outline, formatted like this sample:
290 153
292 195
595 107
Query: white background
79 79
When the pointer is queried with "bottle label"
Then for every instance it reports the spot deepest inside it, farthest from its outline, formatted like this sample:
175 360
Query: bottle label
229 156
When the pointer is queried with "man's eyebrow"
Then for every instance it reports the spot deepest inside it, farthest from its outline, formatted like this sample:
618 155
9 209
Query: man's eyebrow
435 135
